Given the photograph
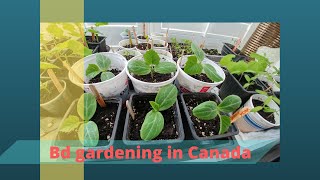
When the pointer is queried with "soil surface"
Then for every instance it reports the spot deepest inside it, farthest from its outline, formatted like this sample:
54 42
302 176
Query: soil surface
158 45
143 46
211 51
141 37
201 77
129 46
48 94
266 115
254 87
141 106
89 39
203 128
128 57
97 78
156 77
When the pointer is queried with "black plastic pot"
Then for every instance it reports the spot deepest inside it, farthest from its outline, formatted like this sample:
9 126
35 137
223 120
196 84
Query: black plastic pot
178 122
233 130
103 47
232 86
75 143
227 49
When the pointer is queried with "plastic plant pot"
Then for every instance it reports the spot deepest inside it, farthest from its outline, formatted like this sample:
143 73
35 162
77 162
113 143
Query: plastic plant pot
103 47
233 130
57 106
164 52
232 86
227 49
148 87
217 57
143 51
126 42
177 120
124 35
190 84
109 88
62 140
141 38
159 42
129 52
253 121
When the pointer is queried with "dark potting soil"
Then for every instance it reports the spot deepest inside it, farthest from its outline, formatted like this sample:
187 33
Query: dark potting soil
141 37
201 77
89 39
129 46
156 77
158 45
266 115
202 128
211 51
97 78
243 81
128 57
141 106
48 94
143 46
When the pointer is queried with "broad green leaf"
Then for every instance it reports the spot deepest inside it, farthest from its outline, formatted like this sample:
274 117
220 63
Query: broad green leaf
154 105
97 24
166 97
55 30
87 51
152 125
230 104
165 68
256 67
88 134
260 59
227 60
71 123
267 101
103 62
268 110
256 109
86 106
206 111
106 76
92 71
262 92
248 79
198 52
225 122
139 67
192 66
77 47
93 31
71 29
276 100
151 57
246 85
238 67
45 66
211 72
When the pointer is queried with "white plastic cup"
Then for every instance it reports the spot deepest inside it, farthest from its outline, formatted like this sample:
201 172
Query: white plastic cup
129 51
141 40
190 84
147 87
271 84
109 88
159 41
253 121
125 42
164 52
157 35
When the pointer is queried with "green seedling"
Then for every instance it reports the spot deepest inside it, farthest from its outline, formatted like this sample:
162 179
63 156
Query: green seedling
94 32
195 65
154 121
151 64
209 110
103 65
45 66
265 107
87 130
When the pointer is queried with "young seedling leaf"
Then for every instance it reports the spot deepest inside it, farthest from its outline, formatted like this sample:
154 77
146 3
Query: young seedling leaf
267 101
192 66
276 100
151 57
268 110
206 111
165 68
198 52
154 105
71 123
225 122
86 106
55 30
211 72
103 62
139 67
106 76
88 134
227 60
92 71
97 24
152 125
45 66
166 97
262 92
256 109
246 85
230 104
248 79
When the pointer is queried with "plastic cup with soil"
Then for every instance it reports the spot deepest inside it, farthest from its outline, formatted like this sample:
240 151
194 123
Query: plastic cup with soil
262 118
170 129
100 42
159 44
227 49
205 129
143 47
103 71
129 54
142 38
100 129
151 71
213 54
127 44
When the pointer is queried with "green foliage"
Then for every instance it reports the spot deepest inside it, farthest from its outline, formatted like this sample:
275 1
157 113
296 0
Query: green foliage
151 64
103 65
45 66
71 123
88 134
86 106
265 106
195 66
209 110
154 121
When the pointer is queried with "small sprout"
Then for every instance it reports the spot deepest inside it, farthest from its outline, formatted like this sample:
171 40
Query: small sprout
265 107
151 64
209 110
103 65
154 121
